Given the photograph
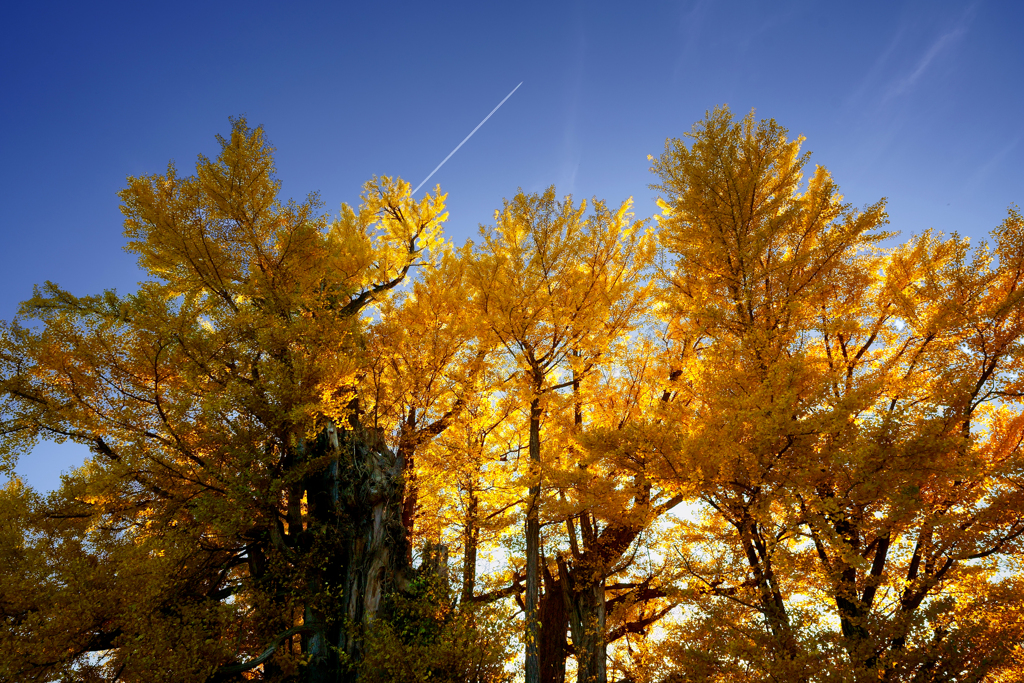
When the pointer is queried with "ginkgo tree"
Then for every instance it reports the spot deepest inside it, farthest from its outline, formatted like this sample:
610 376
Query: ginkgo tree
760 440
852 424
235 514
556 288
426 363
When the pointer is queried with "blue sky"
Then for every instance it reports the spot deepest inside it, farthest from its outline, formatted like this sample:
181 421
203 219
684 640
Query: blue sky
920 102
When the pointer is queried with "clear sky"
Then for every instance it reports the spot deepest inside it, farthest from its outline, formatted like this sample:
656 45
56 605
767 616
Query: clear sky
920 102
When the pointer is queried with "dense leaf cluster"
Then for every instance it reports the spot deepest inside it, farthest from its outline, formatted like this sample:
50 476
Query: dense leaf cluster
754 438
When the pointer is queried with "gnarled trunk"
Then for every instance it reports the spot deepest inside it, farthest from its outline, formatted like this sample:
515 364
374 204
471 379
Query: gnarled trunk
584 597
356 501
586 611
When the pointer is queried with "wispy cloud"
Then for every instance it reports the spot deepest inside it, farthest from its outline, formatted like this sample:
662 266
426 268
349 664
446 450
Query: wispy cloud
691 25
982 173
938 46
877 68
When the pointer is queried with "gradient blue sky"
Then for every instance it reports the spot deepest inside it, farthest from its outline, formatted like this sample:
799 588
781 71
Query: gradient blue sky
920 102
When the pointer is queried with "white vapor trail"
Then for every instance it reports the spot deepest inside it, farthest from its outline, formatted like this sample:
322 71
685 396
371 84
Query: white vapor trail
467 138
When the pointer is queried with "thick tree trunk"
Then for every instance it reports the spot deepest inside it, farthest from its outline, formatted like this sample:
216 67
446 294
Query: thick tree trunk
585 609
375 551
583 591
356 502
554 647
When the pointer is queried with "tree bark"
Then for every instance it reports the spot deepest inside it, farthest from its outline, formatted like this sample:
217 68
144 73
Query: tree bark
471 540
356 501
533 549
554 647
772 605
583 591
407 459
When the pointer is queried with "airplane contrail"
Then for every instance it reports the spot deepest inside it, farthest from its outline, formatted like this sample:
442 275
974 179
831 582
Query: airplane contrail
467 137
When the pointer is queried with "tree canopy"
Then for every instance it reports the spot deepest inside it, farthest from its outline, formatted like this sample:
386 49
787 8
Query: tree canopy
756 437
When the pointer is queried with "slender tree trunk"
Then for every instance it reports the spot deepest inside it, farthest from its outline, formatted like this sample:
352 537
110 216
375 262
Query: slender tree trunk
533 548
471 540
772 604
